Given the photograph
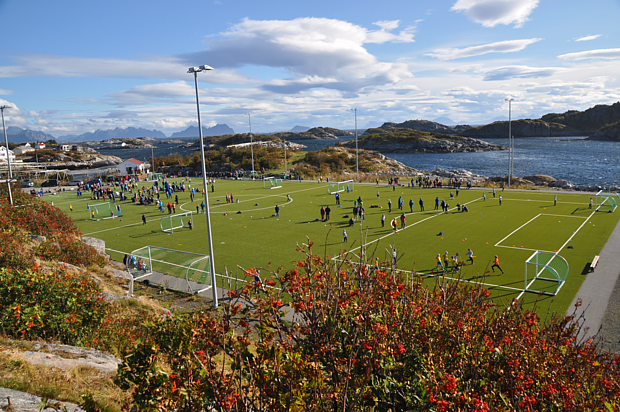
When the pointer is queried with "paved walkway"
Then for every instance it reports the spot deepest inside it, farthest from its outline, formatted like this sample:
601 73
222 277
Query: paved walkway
597 289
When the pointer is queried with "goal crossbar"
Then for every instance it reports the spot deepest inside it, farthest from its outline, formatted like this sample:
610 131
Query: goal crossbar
272 183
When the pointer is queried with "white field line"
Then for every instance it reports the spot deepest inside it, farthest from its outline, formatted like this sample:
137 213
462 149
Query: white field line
113 228
524 248
517 229
526 223
411 225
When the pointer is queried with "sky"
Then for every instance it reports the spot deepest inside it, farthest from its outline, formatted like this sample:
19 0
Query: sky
69 67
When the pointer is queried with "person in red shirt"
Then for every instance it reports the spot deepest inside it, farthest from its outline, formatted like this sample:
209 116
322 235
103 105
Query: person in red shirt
496 265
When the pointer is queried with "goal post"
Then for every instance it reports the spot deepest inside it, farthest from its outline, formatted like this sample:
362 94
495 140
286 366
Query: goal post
337 187
545 273
272 183
170 222
173 269
607 201
102 211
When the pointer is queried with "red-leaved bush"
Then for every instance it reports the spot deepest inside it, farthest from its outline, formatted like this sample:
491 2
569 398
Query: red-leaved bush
361 339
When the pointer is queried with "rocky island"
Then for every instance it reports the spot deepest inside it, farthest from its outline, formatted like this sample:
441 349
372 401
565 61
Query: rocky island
315 133
522 128
415 141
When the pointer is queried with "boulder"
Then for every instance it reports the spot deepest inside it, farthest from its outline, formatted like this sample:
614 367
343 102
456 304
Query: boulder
98 244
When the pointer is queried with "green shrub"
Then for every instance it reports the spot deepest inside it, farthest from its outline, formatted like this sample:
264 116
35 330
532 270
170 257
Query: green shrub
57 305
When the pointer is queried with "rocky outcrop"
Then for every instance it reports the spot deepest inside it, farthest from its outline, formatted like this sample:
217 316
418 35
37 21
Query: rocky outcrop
123 143
588 121
421 125
521 128
413 141
611 133
315 133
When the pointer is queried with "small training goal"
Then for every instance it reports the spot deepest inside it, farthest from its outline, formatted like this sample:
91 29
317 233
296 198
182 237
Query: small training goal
102 211
272 183
606 201
173 269
337 187
545 273
171 222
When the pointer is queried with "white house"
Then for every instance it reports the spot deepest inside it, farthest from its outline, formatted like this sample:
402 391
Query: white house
39 145
26 148
3 157
65 147
131 167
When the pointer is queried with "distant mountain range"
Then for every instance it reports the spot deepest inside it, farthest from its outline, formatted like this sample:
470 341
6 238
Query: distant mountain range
570 123
192 131
19 135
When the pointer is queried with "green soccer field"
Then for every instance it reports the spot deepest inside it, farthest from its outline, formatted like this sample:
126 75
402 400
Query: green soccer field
525 222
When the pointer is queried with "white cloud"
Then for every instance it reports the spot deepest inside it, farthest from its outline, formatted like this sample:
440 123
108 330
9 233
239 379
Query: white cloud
5 92
507 46
608 54
490 13
305 47
588 38
519 72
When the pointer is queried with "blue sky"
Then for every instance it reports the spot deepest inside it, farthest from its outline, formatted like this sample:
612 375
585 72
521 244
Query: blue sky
69 67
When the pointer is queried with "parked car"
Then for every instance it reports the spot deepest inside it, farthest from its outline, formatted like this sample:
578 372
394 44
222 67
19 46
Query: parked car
93 182
27 183
50 183
74 183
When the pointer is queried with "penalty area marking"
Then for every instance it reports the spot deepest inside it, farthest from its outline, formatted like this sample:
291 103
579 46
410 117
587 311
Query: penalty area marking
527 223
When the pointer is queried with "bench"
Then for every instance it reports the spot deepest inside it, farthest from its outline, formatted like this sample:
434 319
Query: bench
594 263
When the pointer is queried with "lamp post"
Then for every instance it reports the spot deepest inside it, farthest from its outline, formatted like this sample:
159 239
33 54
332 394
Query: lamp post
197 70
510 140
251 142
284 144
8 156
357 164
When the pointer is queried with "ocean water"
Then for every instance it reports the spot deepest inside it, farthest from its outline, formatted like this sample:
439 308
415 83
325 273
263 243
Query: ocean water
572 158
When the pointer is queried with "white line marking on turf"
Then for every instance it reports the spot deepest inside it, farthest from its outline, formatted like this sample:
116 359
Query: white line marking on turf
514 231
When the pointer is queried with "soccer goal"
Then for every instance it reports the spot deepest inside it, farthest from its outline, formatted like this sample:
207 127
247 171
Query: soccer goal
606 201
545 273
102 211
272 183
173 269
170 222
337 187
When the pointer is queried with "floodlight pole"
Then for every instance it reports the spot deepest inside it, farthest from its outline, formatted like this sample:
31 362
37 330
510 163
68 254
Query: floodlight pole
196 70
251 142
8 156
284 144
510 140
357 164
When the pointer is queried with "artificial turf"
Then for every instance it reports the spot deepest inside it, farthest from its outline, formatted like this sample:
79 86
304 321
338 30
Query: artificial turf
526 221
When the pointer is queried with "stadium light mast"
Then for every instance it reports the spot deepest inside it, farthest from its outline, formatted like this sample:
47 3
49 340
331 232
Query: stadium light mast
195 71
510 140
284 144
8 157
357 163
251 142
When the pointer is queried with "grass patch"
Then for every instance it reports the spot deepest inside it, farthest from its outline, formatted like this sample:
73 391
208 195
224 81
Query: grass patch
256 238
63 385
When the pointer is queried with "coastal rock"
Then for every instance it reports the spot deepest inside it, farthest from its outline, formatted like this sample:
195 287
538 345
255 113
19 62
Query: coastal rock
539 179
610 133
414 141
315 133
562 184
589 120
521 128
420 125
